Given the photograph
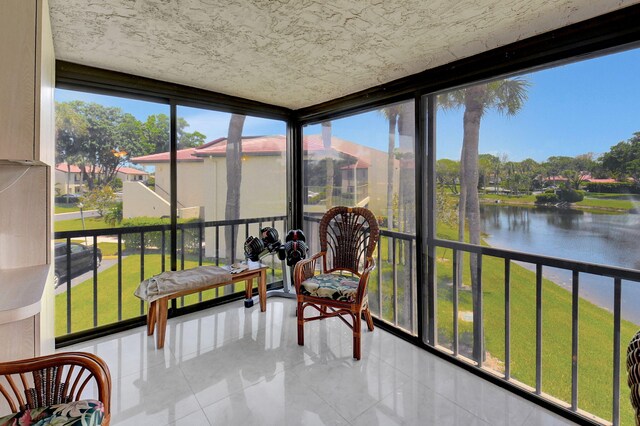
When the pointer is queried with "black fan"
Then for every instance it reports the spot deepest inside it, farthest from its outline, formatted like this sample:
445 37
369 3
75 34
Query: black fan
253 247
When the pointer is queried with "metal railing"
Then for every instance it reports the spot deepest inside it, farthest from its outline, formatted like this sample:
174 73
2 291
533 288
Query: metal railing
575 268
154 240
390 304
392 288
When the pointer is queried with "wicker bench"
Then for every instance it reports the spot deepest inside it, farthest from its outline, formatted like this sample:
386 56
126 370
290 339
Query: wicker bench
158 309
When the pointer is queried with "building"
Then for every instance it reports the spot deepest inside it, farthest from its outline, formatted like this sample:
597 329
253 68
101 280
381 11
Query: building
202 179
69 180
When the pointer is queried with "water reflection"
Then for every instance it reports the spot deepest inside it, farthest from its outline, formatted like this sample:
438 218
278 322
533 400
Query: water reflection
576 235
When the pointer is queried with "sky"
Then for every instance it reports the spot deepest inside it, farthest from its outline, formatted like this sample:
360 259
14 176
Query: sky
585 106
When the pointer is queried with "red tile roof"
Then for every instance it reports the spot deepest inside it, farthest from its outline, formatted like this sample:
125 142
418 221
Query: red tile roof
131 171
254 145
64 168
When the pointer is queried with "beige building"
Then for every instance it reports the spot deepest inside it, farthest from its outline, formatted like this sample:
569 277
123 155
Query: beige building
68 177
202 180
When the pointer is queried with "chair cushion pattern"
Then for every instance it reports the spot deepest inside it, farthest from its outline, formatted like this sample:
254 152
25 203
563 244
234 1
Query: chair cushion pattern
331 286
77 413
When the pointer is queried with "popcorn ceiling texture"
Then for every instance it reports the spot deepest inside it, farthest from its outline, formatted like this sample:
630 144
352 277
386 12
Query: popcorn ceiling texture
297 53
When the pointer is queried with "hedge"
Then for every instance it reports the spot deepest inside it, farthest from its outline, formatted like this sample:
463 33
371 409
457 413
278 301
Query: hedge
153 240
546 198
612 188
570 195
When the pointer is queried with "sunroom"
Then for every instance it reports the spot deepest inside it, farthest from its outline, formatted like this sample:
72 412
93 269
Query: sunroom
496 143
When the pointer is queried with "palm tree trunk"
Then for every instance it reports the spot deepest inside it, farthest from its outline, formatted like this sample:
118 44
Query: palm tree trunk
472 115
326 143
234 180
406 132
390 173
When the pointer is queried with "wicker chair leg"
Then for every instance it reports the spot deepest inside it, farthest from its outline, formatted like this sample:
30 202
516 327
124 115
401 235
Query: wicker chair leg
300 312
367 317
357 325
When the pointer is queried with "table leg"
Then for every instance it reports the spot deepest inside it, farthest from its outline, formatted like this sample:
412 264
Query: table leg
262 290
151 318
248 288
161 315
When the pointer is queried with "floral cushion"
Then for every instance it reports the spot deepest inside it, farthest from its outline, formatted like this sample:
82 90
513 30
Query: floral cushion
78 413
331 286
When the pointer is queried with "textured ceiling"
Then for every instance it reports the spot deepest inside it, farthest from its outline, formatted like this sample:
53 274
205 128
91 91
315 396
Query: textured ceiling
297 53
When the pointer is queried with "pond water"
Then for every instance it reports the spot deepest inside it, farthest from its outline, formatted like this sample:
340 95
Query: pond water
609 239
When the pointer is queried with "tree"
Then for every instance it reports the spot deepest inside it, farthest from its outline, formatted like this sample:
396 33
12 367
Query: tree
407 203
507 97
70 128
623 159
326 143
157 131
101 139
391 113
234 181
448 174
100 199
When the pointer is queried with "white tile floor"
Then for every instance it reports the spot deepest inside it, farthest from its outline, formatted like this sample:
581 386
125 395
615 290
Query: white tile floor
235 366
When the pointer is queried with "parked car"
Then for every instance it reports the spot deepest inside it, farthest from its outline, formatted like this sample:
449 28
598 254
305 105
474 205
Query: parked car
81 261
68 198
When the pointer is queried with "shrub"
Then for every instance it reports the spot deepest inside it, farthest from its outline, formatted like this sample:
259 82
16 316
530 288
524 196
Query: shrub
114 215
546 198
153 240
570 195
612 188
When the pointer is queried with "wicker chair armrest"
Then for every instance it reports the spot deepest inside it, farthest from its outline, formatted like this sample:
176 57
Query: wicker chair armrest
305 269
364 278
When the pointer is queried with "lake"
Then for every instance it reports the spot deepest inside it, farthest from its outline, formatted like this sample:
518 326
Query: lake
575 235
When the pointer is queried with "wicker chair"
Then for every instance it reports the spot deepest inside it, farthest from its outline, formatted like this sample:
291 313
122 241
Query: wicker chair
348 237
51 387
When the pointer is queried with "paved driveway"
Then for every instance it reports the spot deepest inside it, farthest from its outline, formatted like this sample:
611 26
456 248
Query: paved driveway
105 264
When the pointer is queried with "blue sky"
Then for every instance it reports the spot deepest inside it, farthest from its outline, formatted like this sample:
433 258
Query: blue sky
585 106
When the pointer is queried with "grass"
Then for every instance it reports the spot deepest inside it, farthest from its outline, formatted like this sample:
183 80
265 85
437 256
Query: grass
76 224
65 208
514 199
610 201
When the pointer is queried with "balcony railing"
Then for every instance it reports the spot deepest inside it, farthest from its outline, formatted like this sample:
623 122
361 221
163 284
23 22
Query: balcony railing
107 297
537 265
393 298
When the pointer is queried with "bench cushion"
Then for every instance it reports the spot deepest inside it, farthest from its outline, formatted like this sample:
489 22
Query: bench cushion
331 286
78 413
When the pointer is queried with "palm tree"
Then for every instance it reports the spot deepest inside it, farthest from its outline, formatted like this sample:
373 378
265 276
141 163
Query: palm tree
391 113
407 198
507 97
326 143
234 179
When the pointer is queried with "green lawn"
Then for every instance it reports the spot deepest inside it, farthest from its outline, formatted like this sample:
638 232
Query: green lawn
525 199
610 201
66 208
76 224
